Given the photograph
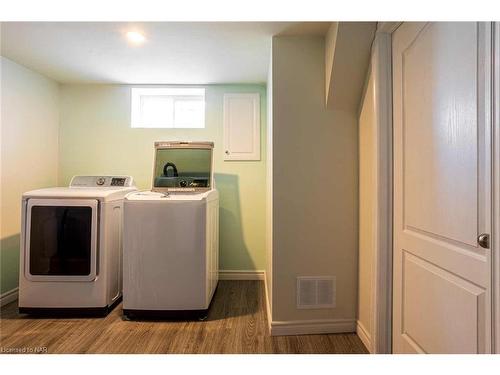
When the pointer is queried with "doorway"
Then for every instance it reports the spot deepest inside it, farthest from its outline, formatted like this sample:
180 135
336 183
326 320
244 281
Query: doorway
446 132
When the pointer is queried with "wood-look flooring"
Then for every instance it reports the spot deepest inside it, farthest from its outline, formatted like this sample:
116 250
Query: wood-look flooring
237 323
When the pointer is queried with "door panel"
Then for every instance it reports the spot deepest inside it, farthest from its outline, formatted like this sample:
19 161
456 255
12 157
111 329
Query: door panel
451 306
442 156
61 240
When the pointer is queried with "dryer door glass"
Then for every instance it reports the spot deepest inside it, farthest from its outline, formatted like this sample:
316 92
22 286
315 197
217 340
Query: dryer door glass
60 240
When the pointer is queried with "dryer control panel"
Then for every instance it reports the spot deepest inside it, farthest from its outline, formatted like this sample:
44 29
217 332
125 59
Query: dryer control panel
101 181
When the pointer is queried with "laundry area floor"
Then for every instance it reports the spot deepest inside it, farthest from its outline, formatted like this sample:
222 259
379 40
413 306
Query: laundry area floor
236 323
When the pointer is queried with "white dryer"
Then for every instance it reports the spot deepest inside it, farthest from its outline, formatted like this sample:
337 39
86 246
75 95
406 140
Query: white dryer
71 246
171 236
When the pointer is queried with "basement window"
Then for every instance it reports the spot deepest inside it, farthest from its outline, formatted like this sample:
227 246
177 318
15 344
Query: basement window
168 108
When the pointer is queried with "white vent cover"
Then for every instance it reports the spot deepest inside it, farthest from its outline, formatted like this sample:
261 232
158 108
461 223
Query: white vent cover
315 292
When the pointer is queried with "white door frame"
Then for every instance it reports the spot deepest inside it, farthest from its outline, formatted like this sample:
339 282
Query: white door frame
495 235
381 294
382 70
382 267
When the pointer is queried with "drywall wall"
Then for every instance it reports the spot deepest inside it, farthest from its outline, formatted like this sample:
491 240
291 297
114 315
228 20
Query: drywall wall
96 138
367 213
315 184
330 41
348 47
29 152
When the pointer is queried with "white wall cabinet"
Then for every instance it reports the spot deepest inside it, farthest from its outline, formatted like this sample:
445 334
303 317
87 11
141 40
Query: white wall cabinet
242 126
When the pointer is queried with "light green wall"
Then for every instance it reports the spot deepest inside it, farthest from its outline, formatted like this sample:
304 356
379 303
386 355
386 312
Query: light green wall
28 145
95 138
9 263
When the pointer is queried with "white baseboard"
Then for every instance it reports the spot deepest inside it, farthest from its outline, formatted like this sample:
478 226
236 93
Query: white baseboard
242 275
312 327
9 296
364 336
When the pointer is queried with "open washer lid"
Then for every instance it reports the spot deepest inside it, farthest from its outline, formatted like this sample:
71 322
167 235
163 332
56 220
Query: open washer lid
183 167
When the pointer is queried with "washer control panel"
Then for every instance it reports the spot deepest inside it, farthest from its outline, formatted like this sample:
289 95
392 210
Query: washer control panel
102 181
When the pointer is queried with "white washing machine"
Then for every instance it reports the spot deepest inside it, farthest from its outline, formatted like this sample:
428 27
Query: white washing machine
171 236
71 246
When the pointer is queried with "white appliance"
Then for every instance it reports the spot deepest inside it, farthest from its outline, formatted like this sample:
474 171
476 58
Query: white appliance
71 246
171 236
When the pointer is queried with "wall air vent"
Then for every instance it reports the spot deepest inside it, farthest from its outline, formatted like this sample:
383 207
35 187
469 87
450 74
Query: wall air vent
316 292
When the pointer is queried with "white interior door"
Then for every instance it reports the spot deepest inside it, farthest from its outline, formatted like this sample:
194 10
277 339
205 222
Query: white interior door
442 187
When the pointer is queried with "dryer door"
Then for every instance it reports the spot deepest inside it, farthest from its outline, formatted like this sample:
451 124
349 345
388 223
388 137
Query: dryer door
61 240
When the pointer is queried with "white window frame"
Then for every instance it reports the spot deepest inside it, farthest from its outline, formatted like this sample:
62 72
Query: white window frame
176 93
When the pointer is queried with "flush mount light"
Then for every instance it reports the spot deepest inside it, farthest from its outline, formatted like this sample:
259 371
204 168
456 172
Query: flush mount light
135 37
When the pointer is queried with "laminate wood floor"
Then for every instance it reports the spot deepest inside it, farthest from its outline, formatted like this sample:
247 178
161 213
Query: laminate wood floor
237 323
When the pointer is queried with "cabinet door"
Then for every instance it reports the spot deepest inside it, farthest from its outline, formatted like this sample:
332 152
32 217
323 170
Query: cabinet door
242 126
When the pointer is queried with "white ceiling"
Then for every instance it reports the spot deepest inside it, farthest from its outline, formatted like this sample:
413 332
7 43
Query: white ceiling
174 52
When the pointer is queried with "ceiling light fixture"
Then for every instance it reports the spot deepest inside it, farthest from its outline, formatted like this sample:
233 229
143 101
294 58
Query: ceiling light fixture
135 37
